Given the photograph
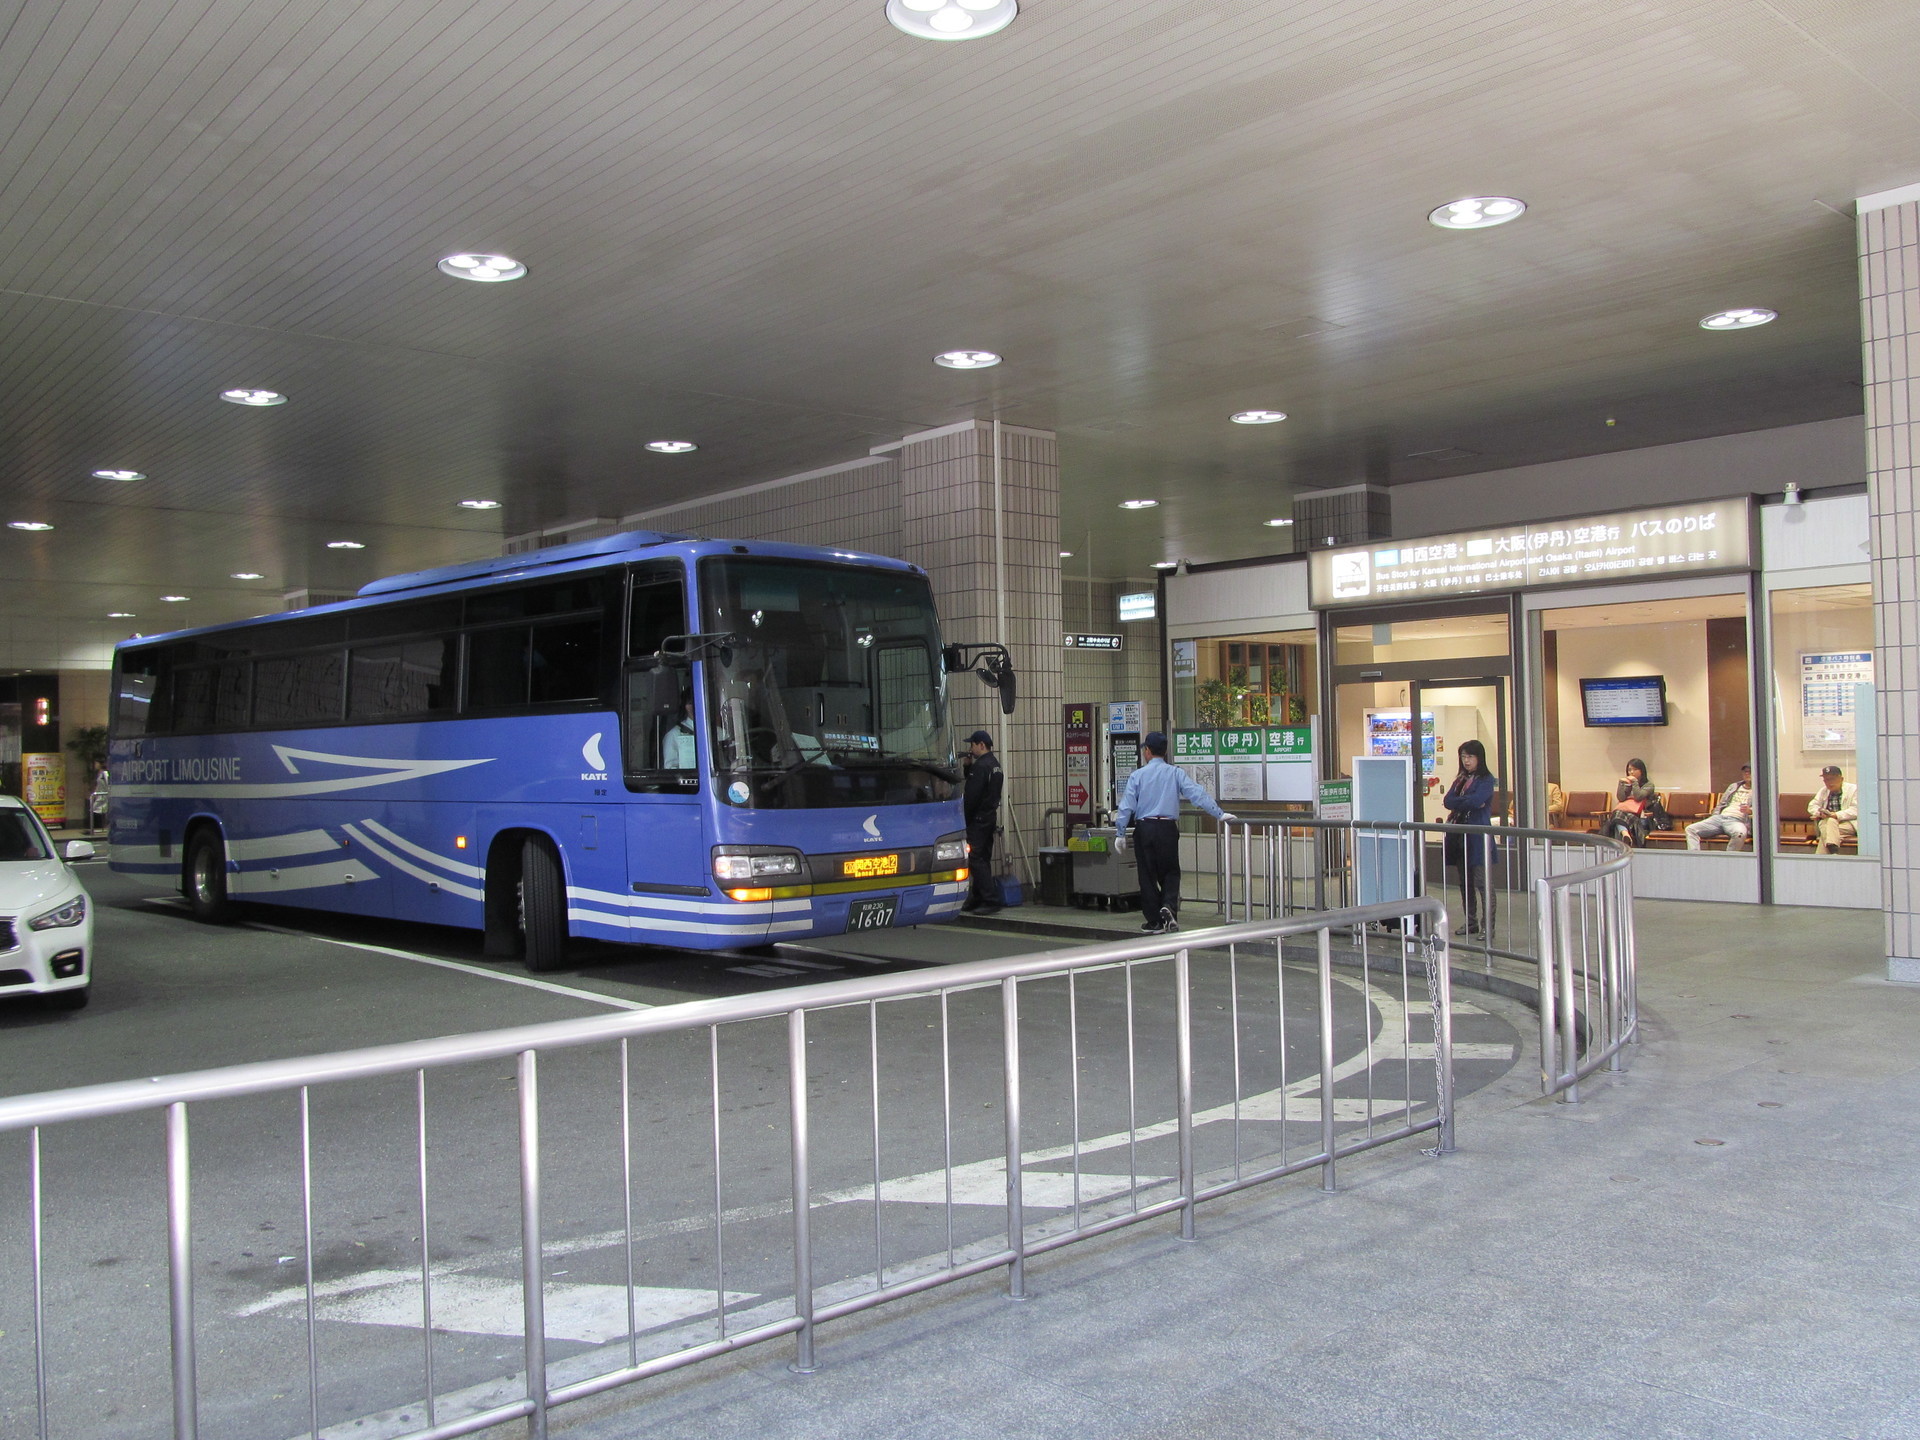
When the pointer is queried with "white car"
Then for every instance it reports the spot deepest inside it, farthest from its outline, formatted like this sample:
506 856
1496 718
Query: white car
46 916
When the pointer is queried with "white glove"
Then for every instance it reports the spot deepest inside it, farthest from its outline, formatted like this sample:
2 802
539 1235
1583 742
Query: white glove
1227 817
1119 844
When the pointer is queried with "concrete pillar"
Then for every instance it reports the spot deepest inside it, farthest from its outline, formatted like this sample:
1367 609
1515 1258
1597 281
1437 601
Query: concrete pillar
993 554
1890 327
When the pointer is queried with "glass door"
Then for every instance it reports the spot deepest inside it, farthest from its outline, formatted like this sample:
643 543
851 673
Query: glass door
1451 713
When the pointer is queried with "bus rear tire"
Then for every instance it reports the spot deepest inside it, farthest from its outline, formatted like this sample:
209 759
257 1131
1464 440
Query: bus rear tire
543 906
207 877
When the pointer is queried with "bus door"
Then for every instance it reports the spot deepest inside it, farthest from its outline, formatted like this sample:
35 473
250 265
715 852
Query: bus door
667 852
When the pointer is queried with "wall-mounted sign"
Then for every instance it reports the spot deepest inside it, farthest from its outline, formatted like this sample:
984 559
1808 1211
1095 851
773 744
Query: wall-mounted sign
1126 717
1631 545
1077 731
1095 642
1136 607
1829 687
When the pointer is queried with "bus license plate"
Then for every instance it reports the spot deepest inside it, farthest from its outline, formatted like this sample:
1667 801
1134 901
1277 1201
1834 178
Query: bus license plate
872 914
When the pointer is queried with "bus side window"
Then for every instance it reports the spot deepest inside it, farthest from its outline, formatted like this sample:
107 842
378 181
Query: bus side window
657 702
659 610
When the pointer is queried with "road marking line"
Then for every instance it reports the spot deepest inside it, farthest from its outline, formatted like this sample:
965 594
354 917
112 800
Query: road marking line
611 1001
482 1305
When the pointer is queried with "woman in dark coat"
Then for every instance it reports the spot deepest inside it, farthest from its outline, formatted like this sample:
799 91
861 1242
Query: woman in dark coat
1469 801
1635 799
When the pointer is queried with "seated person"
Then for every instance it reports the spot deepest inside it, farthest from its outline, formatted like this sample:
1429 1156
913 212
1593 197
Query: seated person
1556 807
677 749
1834 810
1732 815
1634 800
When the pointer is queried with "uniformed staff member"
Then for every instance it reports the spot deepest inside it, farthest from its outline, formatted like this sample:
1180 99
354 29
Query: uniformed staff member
981 806
677 752
1152 804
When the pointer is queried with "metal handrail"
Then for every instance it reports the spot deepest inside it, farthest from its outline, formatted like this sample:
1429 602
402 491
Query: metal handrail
1586 986
1229 951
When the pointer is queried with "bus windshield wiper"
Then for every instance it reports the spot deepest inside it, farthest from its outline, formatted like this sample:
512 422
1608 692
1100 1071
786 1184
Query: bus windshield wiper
899 762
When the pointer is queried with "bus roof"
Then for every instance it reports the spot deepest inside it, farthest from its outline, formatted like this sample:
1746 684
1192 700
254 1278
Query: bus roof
558 559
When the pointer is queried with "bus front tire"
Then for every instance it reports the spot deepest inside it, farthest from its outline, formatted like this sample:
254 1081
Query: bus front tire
207 878
543 907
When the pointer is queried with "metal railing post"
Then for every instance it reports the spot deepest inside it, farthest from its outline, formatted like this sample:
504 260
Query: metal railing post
1016 1180
1569 1020
533 1294
1440 1000
1326 1058
186 1394
1549 1029
1183 1024
801 1155
36 1242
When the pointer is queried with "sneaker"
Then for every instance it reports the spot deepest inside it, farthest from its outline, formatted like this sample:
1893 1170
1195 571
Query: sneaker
1153 927
1167 922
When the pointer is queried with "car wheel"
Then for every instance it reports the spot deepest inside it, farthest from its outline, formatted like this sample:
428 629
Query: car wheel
68 999
543 906
207 877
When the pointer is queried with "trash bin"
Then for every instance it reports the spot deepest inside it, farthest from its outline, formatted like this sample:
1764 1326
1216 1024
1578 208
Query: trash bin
1056 875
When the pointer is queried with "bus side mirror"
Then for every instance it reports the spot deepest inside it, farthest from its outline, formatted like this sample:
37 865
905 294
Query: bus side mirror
1004 682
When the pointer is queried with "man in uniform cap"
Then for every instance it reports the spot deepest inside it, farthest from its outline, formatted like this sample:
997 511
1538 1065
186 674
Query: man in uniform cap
1834 810
981 806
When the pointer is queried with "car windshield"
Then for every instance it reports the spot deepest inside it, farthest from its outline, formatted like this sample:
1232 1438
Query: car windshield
20 837
829 688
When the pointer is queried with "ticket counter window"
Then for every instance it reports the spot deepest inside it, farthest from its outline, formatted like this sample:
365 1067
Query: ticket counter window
1825 713
1665 683
1220 682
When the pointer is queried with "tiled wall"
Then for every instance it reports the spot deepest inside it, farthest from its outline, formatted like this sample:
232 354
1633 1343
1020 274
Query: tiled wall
1097 676
856 506
1890 326
947 528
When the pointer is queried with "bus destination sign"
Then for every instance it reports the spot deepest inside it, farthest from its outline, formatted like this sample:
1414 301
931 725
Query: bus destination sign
1660 540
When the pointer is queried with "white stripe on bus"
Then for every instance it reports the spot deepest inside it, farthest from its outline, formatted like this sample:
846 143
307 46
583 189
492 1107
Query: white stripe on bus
452 887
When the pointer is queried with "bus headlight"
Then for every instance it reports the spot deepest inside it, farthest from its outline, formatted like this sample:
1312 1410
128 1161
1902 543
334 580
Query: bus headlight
753 862
950 851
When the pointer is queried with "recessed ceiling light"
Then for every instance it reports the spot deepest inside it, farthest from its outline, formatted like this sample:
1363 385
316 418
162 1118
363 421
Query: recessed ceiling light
479 504
345 545
175 599
120 615
1477 213
487 268
1166 564
118 475
1281 520
951 19
254 397
671 447
1743 319
28 525
1259 417
1138 504
967 359
247 575
1066 554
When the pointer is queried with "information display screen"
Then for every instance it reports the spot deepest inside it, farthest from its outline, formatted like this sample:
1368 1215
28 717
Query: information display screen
1625 700
866 867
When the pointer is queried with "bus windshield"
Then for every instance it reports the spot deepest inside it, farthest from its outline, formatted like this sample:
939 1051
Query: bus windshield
828 690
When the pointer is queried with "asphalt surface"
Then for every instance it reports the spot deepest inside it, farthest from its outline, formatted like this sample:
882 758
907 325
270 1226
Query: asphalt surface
172 995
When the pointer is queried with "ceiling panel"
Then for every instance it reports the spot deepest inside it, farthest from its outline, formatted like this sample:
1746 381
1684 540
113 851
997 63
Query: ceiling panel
751 225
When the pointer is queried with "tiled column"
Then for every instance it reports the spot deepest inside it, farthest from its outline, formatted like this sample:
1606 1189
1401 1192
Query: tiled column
1890 326
949 521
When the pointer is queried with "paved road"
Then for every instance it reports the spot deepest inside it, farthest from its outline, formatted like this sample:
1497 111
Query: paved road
173 995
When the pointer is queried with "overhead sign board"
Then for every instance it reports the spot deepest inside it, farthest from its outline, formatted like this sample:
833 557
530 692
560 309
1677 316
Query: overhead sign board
1659 540
1095 642
1137 606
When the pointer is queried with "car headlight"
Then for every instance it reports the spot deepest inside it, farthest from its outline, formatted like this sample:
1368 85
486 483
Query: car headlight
71 913
743 863
950 851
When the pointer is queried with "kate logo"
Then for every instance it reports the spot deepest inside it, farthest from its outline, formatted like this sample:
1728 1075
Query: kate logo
871 825
596 762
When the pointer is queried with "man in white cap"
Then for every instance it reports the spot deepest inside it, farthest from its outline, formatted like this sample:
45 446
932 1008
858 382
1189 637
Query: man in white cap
1151 803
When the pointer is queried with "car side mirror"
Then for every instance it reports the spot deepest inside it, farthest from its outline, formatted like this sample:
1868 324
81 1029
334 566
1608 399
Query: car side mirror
79 850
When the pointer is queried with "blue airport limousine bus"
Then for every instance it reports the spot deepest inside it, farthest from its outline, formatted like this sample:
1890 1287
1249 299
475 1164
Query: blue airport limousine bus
647 738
